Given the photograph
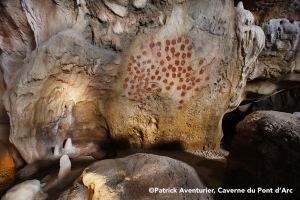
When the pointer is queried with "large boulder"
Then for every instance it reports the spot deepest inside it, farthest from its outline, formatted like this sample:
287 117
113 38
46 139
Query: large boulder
135 176
265 154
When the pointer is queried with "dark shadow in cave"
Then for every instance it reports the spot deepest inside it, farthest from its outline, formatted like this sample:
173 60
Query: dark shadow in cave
285 101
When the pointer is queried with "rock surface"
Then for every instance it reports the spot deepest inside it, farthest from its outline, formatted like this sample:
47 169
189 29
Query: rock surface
265 154
131 177
168 87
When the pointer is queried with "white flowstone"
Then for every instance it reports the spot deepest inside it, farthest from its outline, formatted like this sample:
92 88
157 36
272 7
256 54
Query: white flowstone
56 151
23 191
139 4
68 144
65 167
118 28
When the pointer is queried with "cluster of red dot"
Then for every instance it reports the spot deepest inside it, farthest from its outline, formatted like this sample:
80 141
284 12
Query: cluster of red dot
164 67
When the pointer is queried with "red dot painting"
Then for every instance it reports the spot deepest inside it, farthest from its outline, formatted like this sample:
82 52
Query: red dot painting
164 67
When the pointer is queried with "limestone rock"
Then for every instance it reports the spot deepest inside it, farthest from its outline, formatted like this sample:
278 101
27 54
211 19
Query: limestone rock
265 154
167 86
174 87
131 177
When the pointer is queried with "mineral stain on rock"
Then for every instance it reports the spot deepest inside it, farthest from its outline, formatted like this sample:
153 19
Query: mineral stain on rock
164 67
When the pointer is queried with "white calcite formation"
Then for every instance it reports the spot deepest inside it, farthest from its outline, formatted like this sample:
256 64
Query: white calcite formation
26 190
65 167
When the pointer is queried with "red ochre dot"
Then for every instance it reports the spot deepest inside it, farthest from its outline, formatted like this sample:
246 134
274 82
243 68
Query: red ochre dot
182 62
158 54
184 70
190 68
167 48
138 57
189 87
168 58
134 61
152 45
187 80
198 80
168 42
138 71
172 83
143 70
164 69
182 47
179 68
156 72
174 75
144 53
182 94
159 90
126 79
189 55
129 64
179 40
170 66
129 69
181 101
179 74
179 107
172 50
190 47
207 78
173 69
158 78
183 56
187 74
168 88
125 86
144 62
197 89
152 77
201 71
201 62
138 64
187 41
153 85
152 66
176 62
165 80
148 61
173 41
158 43
183 87
167 74
177 54
181 80
148 70
178 87
162 63
132 87
129 93
148 89
135 68
193 78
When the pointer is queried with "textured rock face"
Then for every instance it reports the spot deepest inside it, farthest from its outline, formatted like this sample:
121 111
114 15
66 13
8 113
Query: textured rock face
265 153
175 87
167 85
132 176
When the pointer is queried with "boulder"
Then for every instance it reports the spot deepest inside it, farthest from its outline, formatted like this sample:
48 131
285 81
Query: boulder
134 176
265 154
